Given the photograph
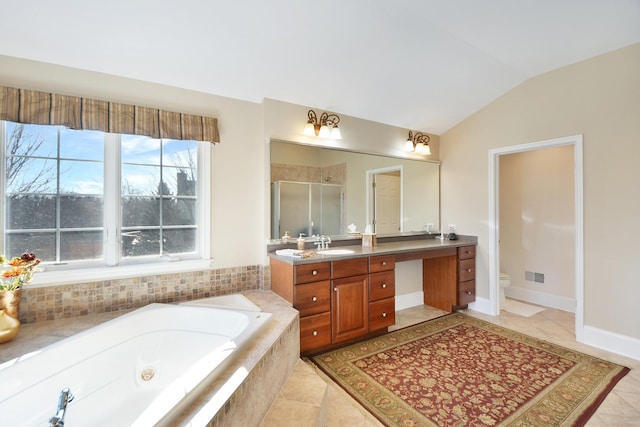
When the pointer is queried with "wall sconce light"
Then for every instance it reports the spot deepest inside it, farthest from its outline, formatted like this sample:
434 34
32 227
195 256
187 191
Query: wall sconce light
418 143
325 127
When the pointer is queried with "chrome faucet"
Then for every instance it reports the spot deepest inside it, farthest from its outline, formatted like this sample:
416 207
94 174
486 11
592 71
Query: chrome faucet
323 242
58 419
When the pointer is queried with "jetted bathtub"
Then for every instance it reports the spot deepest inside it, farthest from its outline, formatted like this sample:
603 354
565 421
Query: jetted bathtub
139 369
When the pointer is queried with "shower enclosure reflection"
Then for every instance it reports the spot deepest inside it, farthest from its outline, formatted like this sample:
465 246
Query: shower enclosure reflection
306 208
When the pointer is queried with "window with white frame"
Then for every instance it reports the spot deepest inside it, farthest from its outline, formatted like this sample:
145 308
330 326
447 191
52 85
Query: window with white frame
81 198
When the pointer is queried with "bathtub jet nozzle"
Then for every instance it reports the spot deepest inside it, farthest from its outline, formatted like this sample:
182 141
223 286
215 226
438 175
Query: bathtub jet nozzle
58 419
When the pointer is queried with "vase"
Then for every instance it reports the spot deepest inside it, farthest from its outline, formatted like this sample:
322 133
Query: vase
9 327
10 302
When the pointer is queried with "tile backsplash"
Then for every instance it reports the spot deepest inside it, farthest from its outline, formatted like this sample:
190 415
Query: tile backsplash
81 299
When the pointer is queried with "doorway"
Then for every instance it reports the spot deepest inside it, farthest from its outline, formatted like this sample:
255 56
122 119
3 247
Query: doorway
384 199
494 221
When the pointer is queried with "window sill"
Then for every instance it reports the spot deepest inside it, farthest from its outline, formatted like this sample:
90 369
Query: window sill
87 275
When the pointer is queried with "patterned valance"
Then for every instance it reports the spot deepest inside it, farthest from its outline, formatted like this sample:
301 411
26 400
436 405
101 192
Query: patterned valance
43 108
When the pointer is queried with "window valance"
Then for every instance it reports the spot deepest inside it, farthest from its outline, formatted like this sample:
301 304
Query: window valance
34 107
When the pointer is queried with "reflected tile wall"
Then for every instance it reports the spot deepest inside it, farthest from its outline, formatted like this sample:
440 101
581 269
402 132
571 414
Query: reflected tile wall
82 299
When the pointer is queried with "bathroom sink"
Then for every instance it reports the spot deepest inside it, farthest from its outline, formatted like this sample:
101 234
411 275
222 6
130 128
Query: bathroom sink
335 251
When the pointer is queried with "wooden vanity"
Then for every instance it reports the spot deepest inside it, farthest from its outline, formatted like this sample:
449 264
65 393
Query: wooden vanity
347 298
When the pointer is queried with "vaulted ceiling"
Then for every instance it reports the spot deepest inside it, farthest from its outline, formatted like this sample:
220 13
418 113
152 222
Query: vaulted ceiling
418 64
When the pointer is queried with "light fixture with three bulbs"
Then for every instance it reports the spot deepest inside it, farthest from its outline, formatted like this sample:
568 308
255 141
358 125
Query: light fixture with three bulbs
418 143
326 126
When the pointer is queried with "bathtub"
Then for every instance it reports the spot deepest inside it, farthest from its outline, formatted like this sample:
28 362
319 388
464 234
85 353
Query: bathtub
140 369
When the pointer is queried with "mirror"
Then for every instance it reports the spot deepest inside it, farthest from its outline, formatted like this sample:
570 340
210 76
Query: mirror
318 190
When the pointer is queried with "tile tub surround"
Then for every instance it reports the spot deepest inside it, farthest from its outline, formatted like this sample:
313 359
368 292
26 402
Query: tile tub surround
81 299
269 359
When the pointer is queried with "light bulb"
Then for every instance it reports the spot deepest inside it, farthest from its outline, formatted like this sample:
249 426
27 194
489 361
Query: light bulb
324 132
335 133
309 129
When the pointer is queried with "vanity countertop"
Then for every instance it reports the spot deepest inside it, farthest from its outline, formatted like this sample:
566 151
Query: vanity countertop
382 248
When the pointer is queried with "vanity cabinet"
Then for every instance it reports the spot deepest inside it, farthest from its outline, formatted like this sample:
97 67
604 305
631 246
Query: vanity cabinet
352 298
339 301
312 298
382 291
449 281
466 275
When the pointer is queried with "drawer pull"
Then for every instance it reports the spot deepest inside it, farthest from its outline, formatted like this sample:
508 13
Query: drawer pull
384 314
314 299
467 252
335 289
315 333
384 286
469 293
314 272
384 263
469 270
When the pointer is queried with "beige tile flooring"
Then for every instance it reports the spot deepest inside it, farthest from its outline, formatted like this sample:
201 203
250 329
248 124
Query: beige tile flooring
621 408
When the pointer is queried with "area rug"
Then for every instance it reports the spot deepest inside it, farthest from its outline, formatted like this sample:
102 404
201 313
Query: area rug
457 371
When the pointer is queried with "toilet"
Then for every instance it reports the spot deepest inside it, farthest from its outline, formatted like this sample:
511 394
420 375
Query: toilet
505 282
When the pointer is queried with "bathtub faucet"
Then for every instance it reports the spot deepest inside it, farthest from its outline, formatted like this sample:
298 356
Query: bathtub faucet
58 419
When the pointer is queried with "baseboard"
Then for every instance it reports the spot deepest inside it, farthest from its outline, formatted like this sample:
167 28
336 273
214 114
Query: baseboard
542 298
481 305
610 341
413 299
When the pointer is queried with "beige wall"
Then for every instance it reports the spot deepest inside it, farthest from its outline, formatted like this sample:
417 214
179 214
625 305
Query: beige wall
537 225
238 167
240 187
600 99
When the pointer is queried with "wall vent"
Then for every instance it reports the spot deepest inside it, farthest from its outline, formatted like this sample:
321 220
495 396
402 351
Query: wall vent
529 276
539 277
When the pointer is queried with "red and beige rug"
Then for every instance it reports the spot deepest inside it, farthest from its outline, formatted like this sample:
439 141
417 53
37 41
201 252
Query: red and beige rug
457 371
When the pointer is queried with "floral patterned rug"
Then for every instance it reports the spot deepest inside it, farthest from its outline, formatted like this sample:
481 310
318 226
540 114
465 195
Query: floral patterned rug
457 370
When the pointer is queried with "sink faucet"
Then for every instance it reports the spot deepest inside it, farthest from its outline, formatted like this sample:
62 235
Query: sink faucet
323 242
58 419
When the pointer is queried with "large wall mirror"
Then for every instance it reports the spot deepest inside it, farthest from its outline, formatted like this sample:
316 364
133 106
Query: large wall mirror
317 190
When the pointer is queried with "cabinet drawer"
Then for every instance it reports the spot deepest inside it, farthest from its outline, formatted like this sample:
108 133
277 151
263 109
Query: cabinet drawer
382 314
466 270
315 332
349 267
466 292
312 298
382 263
306 273
382 285
466 252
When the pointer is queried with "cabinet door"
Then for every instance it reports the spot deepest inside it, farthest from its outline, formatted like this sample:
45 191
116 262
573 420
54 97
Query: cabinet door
350 308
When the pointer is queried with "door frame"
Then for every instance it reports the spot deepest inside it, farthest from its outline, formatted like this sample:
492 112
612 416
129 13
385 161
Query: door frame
494 209
370 208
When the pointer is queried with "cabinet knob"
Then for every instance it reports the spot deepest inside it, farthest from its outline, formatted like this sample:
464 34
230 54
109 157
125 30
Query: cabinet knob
384 314
315 333
384 285
314 272
384 263
335 289
314 299
469 293
467 252
469 270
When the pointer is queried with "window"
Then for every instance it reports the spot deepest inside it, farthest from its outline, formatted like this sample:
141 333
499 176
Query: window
82 198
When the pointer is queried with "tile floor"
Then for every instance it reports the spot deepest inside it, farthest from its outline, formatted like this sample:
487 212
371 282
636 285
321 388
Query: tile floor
621 408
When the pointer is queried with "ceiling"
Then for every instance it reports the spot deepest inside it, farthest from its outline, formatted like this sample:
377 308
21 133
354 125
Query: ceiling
417 64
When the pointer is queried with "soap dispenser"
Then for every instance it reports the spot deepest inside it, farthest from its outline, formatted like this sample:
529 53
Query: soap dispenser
286 237
301 242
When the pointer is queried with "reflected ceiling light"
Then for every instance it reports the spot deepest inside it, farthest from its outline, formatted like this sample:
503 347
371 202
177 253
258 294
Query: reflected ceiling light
418 143
325 127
